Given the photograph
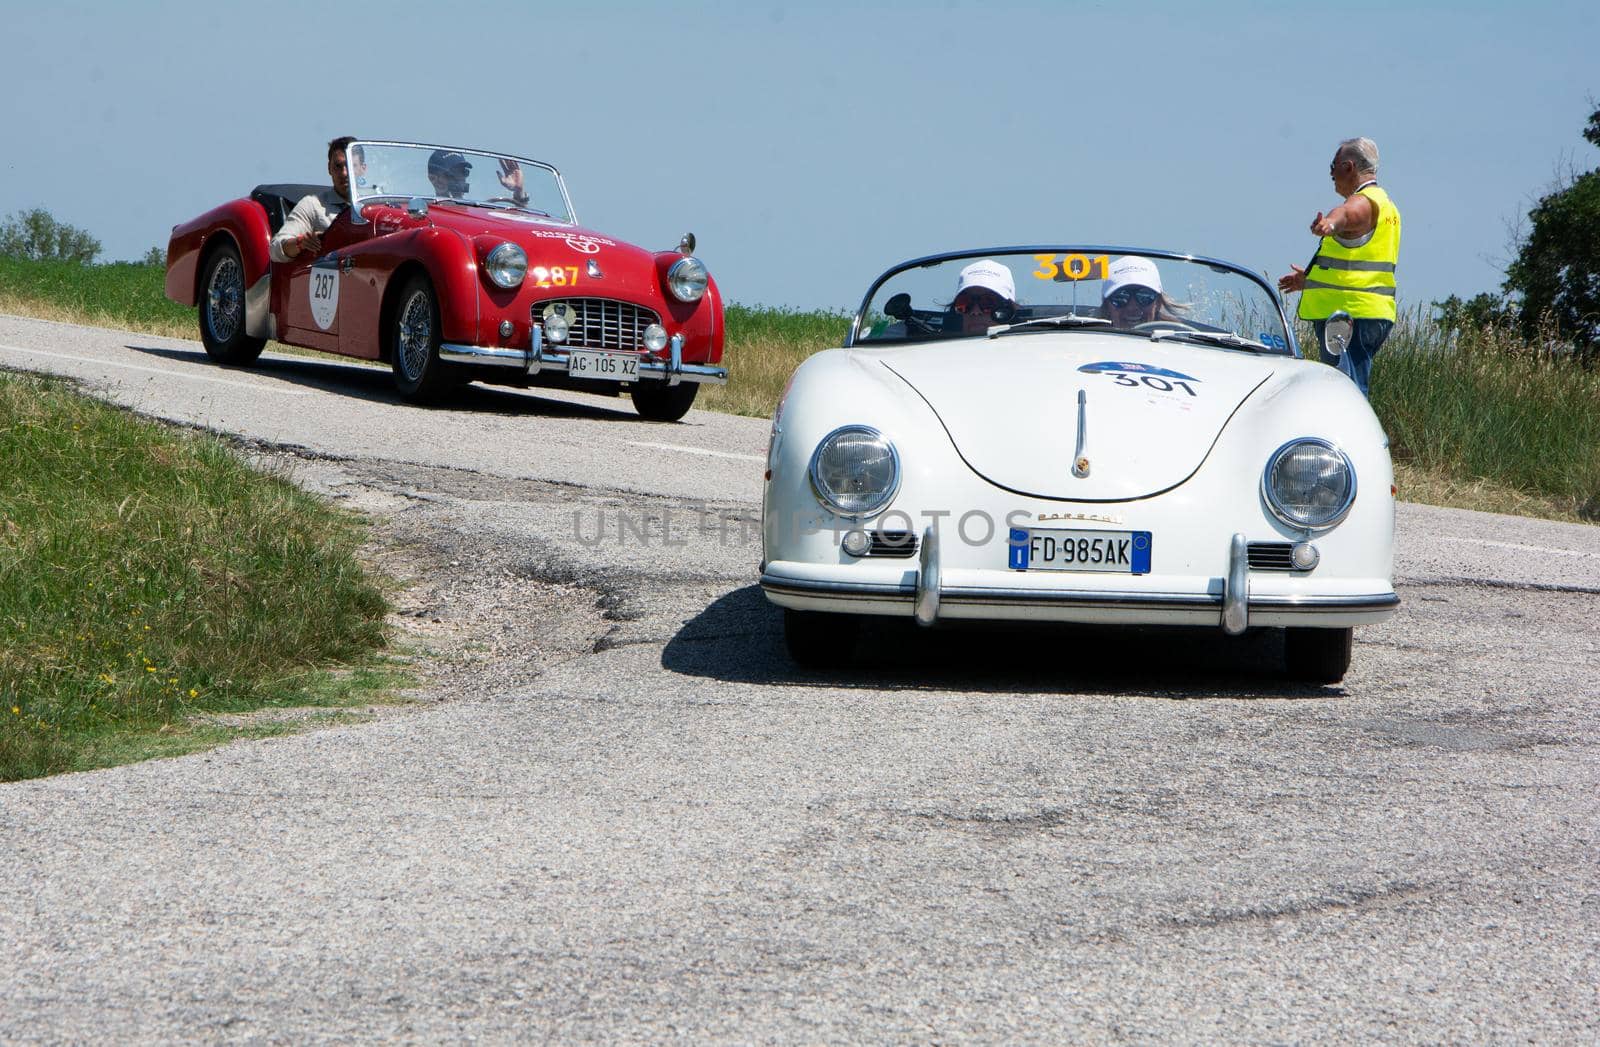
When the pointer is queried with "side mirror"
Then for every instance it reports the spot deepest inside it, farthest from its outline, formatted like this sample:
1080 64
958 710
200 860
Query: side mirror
686 245
1337 331
417 207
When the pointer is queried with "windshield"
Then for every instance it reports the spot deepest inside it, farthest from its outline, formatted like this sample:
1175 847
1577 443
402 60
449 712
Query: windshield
403 170
1018 291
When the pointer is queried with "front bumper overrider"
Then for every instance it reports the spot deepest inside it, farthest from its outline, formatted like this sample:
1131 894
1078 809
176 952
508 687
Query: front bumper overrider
927 593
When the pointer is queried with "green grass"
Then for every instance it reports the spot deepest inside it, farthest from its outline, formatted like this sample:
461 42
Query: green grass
1490 409
763 348
125 295
149 575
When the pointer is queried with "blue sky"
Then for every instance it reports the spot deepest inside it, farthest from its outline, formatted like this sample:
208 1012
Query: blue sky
810 146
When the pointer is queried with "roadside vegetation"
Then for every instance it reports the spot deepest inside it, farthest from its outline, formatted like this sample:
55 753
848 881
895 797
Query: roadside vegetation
150 580
1481 417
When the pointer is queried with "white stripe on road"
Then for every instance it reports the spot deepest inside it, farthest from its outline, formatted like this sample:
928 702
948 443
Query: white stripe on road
696 450
1523 548
186 376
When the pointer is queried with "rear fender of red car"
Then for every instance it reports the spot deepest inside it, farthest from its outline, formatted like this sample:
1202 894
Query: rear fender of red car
241 221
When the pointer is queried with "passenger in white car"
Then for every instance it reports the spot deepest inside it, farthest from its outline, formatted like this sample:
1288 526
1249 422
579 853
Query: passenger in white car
985 295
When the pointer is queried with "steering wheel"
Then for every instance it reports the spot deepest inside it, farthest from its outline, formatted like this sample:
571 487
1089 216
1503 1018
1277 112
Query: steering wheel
1163 325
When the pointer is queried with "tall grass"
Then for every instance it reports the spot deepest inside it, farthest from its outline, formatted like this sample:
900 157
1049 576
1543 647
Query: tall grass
763 348
147 575
1484 406
126 295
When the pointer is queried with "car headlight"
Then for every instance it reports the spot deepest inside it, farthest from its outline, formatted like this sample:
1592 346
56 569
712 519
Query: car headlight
855 471
687 279
1309 483
507 265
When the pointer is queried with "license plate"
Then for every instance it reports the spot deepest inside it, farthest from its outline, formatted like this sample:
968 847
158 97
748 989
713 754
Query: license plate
1053 549
619 367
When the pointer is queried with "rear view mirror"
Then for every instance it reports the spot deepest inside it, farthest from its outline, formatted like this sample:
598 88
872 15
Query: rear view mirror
1336 333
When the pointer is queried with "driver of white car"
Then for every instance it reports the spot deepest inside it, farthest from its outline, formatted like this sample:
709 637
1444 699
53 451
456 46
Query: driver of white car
1132 293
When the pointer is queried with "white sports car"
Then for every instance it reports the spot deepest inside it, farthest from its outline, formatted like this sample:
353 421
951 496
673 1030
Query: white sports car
1077 434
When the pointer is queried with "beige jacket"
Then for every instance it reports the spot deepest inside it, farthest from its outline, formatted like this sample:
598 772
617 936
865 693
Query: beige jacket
313 214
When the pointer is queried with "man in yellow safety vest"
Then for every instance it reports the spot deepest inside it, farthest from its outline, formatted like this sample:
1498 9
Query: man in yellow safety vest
1353 269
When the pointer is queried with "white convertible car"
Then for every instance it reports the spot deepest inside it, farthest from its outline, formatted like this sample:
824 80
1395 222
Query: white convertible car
1077 434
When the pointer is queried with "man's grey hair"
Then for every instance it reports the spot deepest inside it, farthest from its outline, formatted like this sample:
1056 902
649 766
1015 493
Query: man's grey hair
1363 151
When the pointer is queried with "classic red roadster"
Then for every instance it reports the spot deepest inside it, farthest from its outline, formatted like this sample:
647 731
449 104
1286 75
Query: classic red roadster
455 265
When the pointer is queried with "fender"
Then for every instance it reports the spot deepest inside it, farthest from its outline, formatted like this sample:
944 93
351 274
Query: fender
243 220
448 258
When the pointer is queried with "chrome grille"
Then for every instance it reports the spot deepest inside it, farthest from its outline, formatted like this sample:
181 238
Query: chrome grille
602 323
892 543
1270 556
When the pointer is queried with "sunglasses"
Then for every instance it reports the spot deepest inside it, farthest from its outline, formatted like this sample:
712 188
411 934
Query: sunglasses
979 305
1143 295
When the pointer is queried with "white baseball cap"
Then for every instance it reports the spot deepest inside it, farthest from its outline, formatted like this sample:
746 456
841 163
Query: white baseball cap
990 275
1131 270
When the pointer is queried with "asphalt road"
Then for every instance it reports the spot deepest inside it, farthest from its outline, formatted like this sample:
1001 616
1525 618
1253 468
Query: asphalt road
622 815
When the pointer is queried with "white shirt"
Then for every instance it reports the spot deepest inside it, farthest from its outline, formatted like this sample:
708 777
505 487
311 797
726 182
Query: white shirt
313 214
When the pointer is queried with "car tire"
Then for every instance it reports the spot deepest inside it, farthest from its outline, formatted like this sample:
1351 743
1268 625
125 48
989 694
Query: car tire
222 329
419 374
1317 655
818 640
660 402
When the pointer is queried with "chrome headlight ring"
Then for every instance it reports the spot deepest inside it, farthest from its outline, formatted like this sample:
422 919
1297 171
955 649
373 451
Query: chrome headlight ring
687 279
1309 484
507 266
855 471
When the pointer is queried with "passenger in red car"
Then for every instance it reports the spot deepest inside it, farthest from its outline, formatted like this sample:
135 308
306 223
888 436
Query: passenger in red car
302 230
448 170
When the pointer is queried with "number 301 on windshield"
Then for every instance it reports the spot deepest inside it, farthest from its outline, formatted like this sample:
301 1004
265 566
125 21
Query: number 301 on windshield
1072 267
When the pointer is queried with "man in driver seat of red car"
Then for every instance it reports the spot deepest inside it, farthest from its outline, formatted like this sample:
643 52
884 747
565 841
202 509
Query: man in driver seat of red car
302 230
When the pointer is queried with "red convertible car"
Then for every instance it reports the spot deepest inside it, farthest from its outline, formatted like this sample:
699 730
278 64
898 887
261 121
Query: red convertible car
455 265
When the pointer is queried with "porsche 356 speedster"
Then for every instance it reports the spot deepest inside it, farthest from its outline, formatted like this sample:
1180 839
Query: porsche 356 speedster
455 265
1077 434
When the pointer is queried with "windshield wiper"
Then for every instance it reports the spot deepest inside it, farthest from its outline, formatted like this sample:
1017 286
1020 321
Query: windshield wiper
1223 338
1069 320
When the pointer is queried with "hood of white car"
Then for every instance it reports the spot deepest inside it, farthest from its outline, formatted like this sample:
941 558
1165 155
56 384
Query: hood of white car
1151 410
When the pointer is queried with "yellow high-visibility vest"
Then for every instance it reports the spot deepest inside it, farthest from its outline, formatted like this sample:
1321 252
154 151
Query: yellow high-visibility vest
1356 276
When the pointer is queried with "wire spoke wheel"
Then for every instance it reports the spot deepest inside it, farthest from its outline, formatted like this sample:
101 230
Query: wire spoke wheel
224 311
415 335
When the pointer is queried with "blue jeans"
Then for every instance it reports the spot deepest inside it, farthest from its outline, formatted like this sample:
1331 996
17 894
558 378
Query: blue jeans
1356 360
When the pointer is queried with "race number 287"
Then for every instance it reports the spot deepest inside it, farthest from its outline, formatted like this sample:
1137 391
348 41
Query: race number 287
322 285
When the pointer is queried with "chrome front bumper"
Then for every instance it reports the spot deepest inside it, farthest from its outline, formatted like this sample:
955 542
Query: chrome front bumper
539 357
928 597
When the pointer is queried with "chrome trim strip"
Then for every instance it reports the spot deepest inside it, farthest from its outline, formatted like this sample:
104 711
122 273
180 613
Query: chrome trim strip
1236 591
967 596
506 356
926 607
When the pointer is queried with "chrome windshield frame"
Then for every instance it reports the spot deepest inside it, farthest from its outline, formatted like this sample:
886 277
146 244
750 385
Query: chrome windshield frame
1031 249
561 184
